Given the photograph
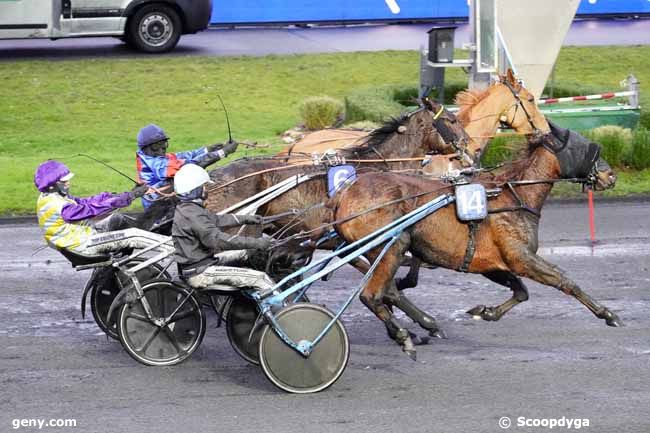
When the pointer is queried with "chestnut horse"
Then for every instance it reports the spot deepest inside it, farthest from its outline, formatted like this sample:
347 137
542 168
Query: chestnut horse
505 102
503 246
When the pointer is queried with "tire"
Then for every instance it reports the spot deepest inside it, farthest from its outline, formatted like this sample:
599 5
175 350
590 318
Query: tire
151 344
241 319
102 295
243 326
289 370
154 28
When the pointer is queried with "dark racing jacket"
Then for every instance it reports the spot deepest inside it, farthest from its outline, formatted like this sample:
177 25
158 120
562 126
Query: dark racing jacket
197 235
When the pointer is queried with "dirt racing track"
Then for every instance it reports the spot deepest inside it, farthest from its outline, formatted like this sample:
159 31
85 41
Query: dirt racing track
548 358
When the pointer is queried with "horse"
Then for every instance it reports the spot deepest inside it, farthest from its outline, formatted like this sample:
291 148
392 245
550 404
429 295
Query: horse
505 102
502 247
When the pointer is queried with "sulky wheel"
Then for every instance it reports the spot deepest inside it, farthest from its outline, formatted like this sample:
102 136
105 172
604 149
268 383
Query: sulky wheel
291 371
175 332
243 328
241 315
104 291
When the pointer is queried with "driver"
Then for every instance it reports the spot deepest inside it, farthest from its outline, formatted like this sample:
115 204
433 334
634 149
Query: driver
73 223
156 167
198 237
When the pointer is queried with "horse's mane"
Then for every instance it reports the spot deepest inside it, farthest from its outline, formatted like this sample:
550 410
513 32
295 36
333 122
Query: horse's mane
466 100
380 135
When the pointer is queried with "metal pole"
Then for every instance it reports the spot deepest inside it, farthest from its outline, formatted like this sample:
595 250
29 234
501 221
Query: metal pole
634 86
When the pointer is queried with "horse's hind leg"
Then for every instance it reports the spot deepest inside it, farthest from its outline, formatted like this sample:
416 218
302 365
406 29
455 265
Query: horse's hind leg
426 321
536 268
373 294
519 294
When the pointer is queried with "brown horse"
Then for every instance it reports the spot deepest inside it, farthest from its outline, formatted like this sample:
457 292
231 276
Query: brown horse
502 247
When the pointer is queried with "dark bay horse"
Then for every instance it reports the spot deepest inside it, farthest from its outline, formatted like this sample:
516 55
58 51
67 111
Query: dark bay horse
505 243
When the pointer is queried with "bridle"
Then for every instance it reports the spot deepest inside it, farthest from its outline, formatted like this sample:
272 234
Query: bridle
520 104
441 127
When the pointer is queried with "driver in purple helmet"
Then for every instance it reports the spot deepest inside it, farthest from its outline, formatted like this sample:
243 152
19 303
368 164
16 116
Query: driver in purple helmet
156 167
70 222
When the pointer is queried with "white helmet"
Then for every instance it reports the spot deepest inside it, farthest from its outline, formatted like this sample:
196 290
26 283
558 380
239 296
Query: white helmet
190 177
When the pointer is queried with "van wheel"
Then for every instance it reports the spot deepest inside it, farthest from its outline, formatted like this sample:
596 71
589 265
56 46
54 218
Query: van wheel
154 29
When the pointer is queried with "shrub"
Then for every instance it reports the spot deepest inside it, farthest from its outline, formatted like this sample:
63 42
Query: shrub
625 134
638 156
365 125
501 149
320 112
381 102
614 142
373 103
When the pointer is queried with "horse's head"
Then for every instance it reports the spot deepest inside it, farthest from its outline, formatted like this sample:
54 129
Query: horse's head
518 109
579 157
428 130
448 135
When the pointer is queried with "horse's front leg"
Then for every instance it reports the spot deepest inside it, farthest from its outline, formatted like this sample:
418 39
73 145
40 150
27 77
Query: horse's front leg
373 294
519 294
426 321
532 266
411 278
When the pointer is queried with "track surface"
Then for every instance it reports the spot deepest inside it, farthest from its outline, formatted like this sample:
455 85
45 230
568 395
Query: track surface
294 40
548 358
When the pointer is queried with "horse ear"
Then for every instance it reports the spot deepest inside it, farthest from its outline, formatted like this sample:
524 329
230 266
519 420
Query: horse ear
511 77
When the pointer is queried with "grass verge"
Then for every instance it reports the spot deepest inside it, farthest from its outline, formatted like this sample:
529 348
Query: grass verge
62 108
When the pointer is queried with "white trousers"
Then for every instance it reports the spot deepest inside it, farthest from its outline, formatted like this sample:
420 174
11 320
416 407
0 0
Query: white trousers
103 243
231 276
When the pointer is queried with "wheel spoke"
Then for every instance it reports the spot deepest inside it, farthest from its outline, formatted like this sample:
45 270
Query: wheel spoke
140 317
152 337
161 302
181 316
179 307
173 340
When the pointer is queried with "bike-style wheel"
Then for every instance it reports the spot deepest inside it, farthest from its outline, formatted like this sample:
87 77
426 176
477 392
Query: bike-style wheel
289 370
104 292
174 332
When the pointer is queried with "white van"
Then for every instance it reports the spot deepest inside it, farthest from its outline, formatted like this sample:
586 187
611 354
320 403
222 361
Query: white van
153 26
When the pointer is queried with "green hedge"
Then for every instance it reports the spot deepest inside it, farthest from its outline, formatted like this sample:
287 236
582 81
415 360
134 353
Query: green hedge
378 103
620 147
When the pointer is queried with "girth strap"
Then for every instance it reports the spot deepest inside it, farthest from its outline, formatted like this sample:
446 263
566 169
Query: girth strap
472 226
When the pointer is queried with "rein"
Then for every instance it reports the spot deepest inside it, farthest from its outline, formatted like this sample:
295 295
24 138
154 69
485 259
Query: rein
304 234
307 164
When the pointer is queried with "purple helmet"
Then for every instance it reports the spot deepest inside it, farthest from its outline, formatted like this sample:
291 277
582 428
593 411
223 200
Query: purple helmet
151 134
49 173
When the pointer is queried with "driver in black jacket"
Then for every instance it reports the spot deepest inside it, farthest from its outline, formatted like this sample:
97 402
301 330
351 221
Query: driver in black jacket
197 237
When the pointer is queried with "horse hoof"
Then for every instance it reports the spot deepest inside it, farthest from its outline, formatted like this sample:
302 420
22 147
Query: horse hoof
409 348
411 354
482 312
614 321
477 312
439 333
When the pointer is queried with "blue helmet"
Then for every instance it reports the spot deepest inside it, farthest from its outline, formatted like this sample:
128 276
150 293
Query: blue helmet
151 134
